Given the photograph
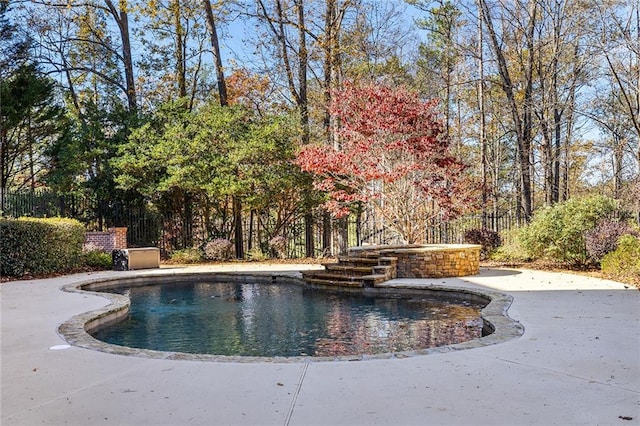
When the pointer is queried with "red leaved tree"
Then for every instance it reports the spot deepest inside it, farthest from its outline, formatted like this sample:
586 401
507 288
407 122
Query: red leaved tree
393 156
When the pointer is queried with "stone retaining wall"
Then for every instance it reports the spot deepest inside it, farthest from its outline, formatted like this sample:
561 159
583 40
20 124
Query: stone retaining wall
430 261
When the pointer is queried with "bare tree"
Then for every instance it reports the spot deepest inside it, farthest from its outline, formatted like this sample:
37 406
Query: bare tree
618 40
521 107
87 37
560 68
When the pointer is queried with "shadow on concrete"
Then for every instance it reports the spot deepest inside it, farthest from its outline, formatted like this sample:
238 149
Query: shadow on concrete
495 272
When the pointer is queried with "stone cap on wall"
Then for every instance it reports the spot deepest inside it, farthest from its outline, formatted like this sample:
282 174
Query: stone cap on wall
384 248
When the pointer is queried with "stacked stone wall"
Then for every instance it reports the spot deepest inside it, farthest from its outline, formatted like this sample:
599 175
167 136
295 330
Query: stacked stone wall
430 261
438 263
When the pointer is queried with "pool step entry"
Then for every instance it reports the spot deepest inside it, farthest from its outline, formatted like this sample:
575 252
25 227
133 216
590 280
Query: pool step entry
354 271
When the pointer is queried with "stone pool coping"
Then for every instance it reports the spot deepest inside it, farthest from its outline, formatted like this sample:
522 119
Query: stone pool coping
75 331
578 363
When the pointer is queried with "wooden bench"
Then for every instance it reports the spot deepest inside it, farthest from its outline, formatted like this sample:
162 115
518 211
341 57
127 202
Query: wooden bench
136 258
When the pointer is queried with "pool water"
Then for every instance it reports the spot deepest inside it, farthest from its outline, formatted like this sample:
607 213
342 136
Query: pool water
286 320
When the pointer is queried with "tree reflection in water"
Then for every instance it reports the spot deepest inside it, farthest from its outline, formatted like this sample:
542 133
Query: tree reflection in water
374 333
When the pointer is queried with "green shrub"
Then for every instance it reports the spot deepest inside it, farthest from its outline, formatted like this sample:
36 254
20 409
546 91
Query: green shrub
98 259
510 250
624 262
558 233
40 246
188 255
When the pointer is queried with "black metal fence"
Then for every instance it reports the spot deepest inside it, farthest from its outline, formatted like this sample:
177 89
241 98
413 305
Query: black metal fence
41 204
97 215
170 232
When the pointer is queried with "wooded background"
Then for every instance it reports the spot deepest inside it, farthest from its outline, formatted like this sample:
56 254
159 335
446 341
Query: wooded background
540 97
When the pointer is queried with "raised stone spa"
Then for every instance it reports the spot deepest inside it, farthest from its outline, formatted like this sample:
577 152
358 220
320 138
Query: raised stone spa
368 266
430 261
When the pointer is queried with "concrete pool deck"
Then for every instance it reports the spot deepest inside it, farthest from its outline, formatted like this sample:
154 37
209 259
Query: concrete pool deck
578 362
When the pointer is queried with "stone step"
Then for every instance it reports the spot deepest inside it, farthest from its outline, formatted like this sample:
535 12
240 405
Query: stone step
364 253
334 283
342 281
382 269
349 270
367 269
347 260
373 279
329 276
388 260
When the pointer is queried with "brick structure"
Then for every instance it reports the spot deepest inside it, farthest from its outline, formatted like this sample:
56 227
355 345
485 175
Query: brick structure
112 239
430 261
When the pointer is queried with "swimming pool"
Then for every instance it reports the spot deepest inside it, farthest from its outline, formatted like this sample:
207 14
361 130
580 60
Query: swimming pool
394 323
286 319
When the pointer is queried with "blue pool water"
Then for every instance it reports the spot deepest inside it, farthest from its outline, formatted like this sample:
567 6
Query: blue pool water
267 320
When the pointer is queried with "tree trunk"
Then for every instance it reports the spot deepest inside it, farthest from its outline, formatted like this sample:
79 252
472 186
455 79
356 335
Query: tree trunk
251 223
638 84
483 123
557 135
302 73
222 94
527 107
122 19
237 226
32 173
327 66
188 221
547 157
619 143
215 45
179 54
4 163
343 235
326 234
309 240
304 112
